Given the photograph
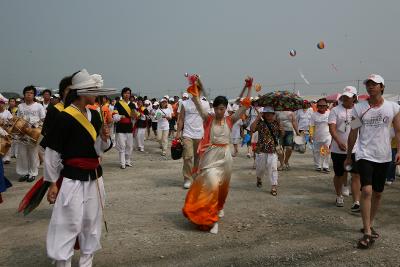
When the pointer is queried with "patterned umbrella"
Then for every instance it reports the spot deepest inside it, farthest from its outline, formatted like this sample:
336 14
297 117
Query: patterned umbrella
281 101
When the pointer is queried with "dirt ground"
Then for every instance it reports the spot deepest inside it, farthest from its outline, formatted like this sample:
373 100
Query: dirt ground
299 227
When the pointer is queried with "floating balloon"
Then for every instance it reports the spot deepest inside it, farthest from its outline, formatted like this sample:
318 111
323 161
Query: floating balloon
292 52
258 87
186 74
321 45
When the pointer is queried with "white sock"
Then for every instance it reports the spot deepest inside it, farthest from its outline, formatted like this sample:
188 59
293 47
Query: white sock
86 260
214 229
66 263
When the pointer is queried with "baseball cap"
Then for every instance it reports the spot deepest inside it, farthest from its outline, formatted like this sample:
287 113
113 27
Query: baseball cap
185 95
156 104
163 100
268 110
376 78
147 102
171 99
349 91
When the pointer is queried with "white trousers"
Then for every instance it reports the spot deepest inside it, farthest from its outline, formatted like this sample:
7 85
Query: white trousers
267 163
76 213
28 160
139 138
319 160
124 143
85 260
162 136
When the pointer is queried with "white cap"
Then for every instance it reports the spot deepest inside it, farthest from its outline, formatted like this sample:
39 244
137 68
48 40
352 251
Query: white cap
147 102
156 104
171 99
349 91
185 95
376 78
163 100
166 96
268 109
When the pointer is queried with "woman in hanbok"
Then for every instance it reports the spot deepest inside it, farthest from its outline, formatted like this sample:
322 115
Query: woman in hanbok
206 197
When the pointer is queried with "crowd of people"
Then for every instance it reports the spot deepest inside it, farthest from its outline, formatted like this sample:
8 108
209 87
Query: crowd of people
82 122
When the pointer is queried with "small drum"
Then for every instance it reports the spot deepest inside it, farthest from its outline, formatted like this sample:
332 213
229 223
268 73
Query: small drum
34 135
5 144
17 126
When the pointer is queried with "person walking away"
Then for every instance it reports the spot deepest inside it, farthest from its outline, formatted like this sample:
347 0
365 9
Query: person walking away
370 128
288 121
190 128
339 128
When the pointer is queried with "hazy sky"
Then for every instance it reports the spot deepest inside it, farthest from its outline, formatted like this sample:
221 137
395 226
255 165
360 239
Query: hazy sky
148 45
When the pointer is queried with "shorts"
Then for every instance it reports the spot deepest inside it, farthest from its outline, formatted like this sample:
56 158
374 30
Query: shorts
154 126
287 139
172 123
338 163
236 141
373 173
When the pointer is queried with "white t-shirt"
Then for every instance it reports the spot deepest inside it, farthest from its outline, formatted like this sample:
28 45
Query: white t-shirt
320 121
340 116
303 119
5 115
193 123
163 123
236 129
285 119
32 113
374 142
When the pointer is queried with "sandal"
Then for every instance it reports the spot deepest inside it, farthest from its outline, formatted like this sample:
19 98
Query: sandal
365 242
274 192
374 234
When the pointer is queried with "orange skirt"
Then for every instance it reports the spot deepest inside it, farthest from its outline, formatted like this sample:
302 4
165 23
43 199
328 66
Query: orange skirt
207 195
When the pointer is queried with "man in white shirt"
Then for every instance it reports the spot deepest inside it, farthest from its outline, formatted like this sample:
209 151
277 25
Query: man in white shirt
46 94
371 121
28 153
339 128
190 127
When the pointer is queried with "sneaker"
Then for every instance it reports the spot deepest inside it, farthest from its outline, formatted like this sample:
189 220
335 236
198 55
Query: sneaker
248 155
318 169
339 201
187 184
355 207
221 214
388 182
123 167
163 154
214 229
128 165
6 162
345 191
326 170
287 167
31 179
23 178
141 149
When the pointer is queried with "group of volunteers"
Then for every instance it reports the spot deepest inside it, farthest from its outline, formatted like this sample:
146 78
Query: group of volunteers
361 138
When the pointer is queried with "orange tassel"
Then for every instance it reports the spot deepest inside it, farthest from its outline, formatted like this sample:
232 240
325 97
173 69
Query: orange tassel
246 102
193 90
